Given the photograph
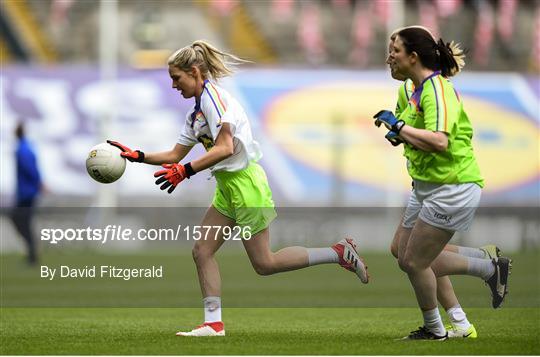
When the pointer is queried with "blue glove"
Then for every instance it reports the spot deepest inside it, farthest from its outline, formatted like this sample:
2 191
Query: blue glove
389 120
393 138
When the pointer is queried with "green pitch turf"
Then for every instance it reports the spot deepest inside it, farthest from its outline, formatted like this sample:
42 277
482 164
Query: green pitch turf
256 331
320 310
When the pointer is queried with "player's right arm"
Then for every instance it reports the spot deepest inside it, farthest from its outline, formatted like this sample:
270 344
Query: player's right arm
177 153
186 141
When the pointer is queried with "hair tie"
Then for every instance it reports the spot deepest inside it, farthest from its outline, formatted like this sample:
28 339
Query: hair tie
449 47
442 47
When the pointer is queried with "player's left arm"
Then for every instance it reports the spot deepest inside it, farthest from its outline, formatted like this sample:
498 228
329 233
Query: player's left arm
222 149
173 174
422 139
177 153
425 140
437 121
221 123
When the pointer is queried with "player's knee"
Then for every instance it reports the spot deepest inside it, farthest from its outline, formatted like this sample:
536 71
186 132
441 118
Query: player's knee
394 249
200 253
263 268
401 264
394 246
408 265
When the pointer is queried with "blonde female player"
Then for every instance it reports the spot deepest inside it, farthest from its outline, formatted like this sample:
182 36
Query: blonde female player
242 196
436 133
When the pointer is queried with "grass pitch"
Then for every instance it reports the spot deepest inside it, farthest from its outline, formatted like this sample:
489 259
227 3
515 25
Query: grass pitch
322 310
257 331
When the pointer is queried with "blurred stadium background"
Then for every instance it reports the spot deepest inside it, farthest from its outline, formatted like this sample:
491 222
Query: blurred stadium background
79 72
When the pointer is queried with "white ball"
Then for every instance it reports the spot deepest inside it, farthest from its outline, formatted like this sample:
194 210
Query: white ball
104 163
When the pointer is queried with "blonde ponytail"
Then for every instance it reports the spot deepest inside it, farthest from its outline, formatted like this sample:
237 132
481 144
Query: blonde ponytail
459 57
212 62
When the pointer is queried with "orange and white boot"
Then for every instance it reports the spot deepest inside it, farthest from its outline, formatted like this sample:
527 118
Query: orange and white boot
350 260
208 329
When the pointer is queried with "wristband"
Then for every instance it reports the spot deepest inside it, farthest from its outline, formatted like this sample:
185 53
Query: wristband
396 128
189 170
140 158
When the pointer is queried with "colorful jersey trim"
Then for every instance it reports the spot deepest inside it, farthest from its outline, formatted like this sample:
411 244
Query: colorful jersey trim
436 103
444 104
415 99
409 88
417 94
195 113
440 103
215 97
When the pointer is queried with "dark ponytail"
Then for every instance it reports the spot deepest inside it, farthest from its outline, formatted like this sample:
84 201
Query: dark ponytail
446 57
450 58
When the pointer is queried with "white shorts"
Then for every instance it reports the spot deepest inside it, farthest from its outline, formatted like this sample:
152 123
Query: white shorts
450 207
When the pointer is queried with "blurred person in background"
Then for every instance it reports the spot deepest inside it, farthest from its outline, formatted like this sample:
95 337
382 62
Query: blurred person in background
436 134
242 197
459 326
29 187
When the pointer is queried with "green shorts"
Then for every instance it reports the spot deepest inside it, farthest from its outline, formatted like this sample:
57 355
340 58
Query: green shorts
245 197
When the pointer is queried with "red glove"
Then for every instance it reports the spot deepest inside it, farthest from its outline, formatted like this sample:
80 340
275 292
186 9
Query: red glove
171 176
130 155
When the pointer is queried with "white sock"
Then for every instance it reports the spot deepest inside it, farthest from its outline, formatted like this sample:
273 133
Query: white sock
212 308
458 318
433 322
482 268
321 256
471 252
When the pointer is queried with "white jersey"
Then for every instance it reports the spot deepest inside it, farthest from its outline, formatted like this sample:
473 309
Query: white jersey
204 122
